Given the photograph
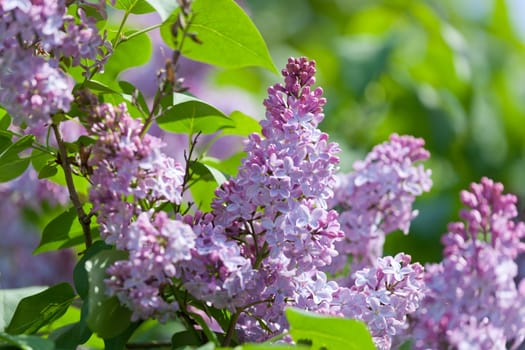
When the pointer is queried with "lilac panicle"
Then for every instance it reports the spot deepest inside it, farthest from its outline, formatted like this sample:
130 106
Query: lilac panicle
472 300
376 199
155 245
270 223
131 179
127 165
34 35
383 297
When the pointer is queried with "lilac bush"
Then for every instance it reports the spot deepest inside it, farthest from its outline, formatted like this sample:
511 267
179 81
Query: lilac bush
282 230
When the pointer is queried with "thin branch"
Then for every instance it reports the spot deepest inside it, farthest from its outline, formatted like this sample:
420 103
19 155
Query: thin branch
83 218
187 174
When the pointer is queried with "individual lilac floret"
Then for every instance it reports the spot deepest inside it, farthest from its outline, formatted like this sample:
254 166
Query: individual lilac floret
128 168
377 199
275 209
473 300
34 35
156 245
383 297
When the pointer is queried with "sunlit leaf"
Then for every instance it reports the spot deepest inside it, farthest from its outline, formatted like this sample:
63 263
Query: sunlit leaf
334 333
36 311
229 37
106 317
26 342
191 115
163 7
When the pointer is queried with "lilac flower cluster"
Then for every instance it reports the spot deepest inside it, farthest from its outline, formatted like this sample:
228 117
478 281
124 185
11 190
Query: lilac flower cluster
131 178
270 228
127 165
377 199
270 233
383 296
155 245
473 301
33 34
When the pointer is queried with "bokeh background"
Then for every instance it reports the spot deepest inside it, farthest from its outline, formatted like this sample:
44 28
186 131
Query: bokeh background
451 72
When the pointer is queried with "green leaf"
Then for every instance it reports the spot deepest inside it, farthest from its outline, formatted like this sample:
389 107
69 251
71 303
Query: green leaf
80 274
244 125
163 7
9 299
100 87
73 334
11 152
229 166
5 121
270 347
203 185
47 171
119 342
13 169
183 338
40 159
229 37
130 53
36 311
130 89
106 317
134 6
334 333
26 342
190 115
63 231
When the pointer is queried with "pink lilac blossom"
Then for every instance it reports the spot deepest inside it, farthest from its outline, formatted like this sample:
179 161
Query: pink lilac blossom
33 35
156 244
217 272
377 198
273 215
383 297
131 179
127 165
473 300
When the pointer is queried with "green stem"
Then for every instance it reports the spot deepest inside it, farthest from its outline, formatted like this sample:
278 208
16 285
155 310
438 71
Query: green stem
144 30
231 328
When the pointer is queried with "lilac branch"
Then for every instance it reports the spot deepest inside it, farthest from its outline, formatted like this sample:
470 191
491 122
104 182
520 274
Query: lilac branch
83 218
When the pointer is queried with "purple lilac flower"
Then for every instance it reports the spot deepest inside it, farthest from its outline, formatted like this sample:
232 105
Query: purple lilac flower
377 199
217 272
33 35
156 244
127 165
270 224
131 179
473 300
383 296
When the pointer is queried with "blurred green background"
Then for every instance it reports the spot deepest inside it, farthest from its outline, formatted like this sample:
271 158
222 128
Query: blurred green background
451 72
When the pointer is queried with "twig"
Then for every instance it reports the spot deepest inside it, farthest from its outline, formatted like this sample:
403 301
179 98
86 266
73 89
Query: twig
83 218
